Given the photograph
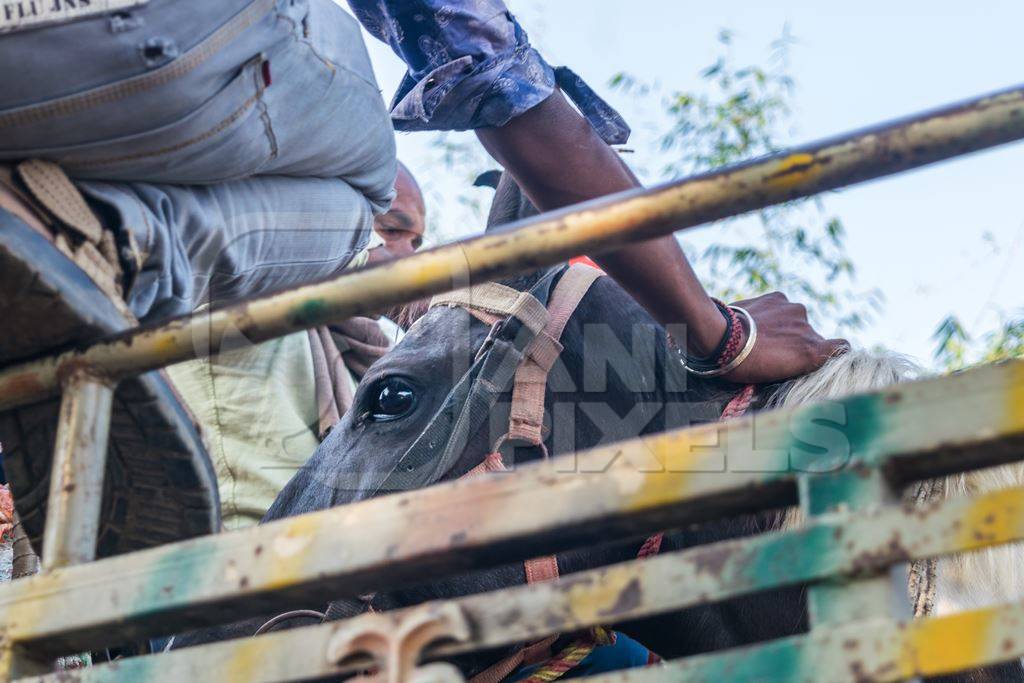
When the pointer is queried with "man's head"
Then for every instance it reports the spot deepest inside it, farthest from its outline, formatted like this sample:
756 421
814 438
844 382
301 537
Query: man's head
402 227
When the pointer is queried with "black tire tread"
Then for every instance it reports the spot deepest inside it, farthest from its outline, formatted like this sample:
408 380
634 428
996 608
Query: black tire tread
160 485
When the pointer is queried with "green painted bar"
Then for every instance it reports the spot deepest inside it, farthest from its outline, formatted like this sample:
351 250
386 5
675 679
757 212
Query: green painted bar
877 650
843 599
914 431
830 545
536 510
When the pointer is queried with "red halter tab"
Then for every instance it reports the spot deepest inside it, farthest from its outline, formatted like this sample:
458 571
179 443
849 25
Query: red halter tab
739 404
584 261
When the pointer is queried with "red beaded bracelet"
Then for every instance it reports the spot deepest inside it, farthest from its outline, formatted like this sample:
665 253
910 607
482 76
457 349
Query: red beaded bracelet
735 342
731 351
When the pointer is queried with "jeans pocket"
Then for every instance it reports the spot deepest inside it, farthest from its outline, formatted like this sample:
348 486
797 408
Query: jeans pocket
228 137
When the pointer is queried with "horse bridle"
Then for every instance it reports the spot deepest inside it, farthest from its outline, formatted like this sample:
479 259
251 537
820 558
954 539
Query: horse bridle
521 331
516 318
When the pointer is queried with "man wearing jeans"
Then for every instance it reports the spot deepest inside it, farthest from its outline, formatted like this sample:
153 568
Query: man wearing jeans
269 114
227 148
267 110
234 147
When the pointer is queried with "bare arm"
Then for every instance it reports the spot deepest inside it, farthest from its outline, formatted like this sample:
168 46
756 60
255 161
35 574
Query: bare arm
557 158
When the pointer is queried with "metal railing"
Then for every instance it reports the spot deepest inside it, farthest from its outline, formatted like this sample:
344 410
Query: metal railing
593 228
918 431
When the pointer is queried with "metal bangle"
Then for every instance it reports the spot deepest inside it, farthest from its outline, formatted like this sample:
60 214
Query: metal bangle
740 357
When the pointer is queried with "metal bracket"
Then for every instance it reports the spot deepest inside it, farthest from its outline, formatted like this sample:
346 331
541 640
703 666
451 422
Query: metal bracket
395 642
76 476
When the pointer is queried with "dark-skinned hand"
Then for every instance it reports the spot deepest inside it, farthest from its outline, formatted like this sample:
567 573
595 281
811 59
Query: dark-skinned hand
786 344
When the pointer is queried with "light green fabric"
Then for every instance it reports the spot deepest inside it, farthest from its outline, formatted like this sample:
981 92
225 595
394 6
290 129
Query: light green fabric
257 409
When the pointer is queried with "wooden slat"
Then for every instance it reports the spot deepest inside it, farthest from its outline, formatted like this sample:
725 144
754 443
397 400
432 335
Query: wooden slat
493 520
834 544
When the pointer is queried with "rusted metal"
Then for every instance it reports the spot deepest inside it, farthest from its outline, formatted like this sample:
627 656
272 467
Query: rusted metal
76 474
668 480
882 593
621 490
829 545
875 650
593 228
868 596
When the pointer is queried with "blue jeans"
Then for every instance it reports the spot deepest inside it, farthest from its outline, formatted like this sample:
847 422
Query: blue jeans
243 144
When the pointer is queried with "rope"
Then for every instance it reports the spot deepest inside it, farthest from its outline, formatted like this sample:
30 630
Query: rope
739 404
651 546
570 657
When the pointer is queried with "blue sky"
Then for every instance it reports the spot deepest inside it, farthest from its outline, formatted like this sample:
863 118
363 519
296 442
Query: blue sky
920 237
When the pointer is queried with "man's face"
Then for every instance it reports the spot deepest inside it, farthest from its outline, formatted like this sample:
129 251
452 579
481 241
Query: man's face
402 227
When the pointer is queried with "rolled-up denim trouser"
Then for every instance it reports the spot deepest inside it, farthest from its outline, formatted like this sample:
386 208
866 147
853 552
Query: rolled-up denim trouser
244 144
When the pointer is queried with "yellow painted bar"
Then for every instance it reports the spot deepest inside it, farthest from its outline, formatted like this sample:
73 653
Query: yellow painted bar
593 228
969 420
837 543
875 650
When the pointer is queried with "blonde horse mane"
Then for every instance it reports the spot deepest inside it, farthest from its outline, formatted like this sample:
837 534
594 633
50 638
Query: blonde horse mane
963 581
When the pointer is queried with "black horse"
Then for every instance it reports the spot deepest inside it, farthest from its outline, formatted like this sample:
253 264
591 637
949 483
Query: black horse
642 390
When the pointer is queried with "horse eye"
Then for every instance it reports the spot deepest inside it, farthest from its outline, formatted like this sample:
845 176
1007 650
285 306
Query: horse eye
391 399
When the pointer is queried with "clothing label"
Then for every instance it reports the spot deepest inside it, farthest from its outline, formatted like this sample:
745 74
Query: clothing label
19 15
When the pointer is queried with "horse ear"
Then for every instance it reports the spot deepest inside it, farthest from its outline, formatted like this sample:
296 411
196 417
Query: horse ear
405 315
488 179
509 205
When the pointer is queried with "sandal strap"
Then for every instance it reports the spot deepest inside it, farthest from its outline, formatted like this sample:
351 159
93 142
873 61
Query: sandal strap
64 217
52 188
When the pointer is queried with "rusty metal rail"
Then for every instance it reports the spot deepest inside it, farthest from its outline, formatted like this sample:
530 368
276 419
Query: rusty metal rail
855 532
593 228
918 429
662 584
877 650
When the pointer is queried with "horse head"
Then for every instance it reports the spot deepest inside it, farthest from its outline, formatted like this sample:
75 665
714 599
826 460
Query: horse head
615 378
